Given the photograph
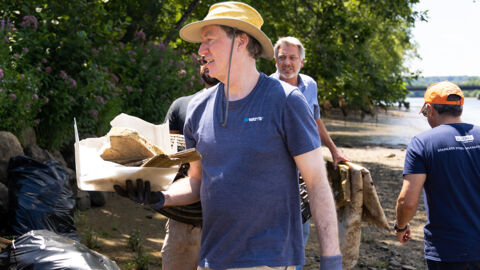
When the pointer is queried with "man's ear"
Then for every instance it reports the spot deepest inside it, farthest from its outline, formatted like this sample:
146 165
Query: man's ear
242 40
430 109
301 63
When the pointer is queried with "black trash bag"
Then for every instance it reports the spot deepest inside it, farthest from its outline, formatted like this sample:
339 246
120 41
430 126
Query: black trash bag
40 197
46 250
4 259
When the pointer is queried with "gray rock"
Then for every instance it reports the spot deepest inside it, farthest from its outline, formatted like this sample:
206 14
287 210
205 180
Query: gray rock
9 147
83 200
72 179
68 154
394 263
58 156
37 153
98 198
4 172
408 267
28 137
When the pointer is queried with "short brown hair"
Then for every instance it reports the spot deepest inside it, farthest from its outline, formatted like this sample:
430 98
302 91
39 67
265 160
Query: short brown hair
254 48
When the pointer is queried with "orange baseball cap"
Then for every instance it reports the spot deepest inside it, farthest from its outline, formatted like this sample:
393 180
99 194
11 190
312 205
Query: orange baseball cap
438 93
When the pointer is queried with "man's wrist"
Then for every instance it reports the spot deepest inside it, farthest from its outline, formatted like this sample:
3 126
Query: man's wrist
399 229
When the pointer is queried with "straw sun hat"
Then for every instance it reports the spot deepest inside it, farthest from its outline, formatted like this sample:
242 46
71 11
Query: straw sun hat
233 14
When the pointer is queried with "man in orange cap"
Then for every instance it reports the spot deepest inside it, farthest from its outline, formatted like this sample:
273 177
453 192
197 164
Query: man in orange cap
444 161
253 132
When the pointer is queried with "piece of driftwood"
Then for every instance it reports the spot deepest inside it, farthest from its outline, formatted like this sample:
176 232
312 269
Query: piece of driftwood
340 182
357 201
164 161
187 156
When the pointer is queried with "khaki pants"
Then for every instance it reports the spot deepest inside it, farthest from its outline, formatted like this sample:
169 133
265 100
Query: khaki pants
256 268
181 248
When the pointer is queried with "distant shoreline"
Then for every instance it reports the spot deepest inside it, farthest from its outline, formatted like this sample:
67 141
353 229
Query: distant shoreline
391 128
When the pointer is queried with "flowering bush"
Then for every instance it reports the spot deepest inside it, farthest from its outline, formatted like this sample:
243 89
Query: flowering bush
70 58
148 77
20 101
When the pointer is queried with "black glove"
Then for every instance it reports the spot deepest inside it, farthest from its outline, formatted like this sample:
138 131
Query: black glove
331 262
141 194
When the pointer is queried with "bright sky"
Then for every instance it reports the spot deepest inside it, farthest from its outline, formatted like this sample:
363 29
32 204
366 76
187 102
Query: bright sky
449 43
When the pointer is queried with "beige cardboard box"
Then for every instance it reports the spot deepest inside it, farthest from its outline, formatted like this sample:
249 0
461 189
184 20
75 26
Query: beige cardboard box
94 173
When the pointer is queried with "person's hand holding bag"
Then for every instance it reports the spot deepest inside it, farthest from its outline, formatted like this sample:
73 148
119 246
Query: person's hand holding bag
141 194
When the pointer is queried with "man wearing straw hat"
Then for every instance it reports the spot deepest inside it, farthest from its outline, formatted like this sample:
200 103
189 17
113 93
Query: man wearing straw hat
253 132
444 162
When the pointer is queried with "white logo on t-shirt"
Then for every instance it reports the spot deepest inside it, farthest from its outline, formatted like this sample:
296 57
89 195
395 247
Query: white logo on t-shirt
465 139
253 119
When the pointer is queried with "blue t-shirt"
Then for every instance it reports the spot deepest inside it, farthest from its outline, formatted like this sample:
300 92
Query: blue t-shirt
308 87
450 156
249 190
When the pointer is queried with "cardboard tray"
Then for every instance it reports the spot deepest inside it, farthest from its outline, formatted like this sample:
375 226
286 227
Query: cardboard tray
96 174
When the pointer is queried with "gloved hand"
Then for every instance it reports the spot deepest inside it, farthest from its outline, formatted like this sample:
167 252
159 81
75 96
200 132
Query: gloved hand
141 194
331 262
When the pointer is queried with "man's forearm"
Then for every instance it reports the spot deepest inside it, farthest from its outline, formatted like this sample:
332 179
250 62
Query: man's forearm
404 212
182 192
408 198
324 137
324 214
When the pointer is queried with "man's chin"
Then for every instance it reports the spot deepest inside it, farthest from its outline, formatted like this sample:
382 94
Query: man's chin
288 76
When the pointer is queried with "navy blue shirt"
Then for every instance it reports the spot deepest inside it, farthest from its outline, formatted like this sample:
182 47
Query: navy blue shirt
249 190
450 156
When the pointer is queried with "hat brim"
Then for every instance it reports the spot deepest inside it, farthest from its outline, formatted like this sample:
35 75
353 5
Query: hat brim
192 33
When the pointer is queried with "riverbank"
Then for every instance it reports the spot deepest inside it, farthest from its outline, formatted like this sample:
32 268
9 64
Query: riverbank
116 222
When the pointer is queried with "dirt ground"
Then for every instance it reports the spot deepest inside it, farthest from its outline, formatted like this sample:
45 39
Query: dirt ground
114 228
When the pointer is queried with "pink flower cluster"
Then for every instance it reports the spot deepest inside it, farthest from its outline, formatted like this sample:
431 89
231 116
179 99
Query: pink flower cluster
29 21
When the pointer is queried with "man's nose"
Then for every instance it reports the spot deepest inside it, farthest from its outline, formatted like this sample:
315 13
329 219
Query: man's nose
203 48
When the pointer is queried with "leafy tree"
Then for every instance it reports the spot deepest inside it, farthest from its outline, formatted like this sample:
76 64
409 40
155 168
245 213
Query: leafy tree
92 59
354 49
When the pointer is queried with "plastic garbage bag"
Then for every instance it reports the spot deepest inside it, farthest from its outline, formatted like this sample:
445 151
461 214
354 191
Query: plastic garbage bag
46 250
40 197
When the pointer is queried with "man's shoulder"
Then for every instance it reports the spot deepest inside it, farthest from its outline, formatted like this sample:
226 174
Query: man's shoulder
275 75
307 79
447 132
203 95
276 85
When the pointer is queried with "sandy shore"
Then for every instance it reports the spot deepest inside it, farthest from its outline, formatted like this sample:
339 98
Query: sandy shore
117 221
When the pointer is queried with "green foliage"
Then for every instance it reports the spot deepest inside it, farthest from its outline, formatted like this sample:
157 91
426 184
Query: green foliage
459 80
20 100
135 241
148 76
91 238
141 260
79 218
464 80
82 61
354 49
94 59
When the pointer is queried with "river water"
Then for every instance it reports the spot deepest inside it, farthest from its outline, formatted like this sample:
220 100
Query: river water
392 128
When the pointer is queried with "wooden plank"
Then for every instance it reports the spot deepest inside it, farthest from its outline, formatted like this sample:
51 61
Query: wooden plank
162 161
187 155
